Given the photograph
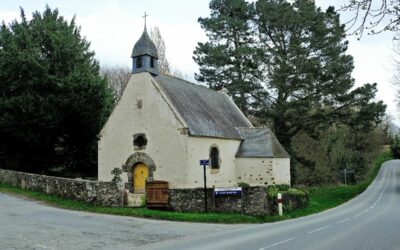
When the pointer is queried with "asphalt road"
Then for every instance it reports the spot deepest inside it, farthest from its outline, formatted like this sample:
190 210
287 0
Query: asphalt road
26 224
370 221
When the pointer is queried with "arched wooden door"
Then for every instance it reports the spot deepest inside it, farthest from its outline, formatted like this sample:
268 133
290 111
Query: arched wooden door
140 174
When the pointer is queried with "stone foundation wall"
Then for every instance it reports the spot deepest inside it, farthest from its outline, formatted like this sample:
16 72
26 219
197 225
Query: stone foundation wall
94 192
290 202
253 201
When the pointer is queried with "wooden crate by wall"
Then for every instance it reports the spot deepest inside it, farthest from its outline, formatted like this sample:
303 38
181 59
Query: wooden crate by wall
157 194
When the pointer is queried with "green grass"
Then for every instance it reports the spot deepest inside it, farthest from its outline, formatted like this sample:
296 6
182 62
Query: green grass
321 198
136 212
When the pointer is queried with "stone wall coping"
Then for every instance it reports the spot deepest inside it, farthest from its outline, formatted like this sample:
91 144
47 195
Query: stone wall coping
99 193
55 177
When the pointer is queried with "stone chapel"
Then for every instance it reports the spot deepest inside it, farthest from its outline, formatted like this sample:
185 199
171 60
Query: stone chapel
163 126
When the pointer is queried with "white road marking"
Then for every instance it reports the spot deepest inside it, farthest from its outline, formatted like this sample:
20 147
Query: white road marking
339 222
318 229
278 243
383 191
43 246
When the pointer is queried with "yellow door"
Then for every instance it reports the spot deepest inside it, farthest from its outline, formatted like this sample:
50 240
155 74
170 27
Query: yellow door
140 174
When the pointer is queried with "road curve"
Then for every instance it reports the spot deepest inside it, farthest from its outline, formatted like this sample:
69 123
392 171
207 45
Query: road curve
26 224
369 221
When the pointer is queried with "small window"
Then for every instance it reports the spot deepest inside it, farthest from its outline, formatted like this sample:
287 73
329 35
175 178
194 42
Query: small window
139 104
214 158
152 62
139 62
139 141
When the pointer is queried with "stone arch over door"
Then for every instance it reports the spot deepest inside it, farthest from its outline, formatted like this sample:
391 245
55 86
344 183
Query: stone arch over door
138 157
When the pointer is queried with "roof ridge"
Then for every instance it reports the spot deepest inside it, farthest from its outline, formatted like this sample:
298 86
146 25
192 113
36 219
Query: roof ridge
191 83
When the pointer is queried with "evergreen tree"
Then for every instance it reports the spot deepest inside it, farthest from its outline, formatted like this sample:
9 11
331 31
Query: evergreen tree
297 52
309 71
53 101
227 59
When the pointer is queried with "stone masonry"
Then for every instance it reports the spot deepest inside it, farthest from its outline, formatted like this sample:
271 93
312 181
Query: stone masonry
95 192
254 201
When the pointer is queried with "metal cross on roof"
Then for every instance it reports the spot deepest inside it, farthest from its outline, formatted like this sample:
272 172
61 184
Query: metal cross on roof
145 15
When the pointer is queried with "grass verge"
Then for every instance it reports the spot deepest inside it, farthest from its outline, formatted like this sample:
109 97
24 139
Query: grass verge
321 198
136 212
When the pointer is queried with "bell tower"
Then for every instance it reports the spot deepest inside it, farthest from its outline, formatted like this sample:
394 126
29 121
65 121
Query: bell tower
144 54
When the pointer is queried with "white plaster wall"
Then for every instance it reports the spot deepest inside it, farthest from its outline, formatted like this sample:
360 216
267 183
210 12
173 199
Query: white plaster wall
166 145
198 149
263 171
281 170
175 155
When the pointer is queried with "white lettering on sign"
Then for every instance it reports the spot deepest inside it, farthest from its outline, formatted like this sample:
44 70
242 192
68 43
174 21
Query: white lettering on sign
228 191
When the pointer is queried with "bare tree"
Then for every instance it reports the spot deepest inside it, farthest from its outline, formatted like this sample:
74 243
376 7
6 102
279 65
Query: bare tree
396 61
163 64
396 50
373 15
179 73
117 78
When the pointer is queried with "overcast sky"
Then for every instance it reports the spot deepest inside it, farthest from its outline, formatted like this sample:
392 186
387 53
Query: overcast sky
113 27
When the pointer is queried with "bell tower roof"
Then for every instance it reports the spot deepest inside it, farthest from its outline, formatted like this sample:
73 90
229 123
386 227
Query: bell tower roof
144 54
144 46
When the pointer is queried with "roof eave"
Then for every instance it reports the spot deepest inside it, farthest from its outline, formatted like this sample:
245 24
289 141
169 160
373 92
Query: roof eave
216 137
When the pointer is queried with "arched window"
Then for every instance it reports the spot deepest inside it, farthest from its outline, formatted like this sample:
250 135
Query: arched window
214 158
139 62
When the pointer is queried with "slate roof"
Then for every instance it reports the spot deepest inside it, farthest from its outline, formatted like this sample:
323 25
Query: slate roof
260 143
206 112
144 46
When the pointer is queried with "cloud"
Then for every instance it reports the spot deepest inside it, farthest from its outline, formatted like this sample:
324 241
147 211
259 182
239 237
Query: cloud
8 16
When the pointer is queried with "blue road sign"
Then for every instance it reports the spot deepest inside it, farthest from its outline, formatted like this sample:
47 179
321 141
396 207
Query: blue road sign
227 191
204 162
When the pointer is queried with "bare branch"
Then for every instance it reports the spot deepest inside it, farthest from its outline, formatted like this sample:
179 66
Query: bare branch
117 78
384 17
163 64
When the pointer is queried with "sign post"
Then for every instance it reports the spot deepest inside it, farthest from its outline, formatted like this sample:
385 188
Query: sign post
346 173
280 210
205 163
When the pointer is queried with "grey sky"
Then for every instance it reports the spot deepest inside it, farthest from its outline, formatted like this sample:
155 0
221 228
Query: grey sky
113 27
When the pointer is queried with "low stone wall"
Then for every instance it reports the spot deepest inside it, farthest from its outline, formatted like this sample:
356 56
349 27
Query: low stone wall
94 192
253 201
290 201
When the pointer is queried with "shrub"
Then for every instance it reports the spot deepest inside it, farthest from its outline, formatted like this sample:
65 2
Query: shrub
243 185
395 147
292 198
